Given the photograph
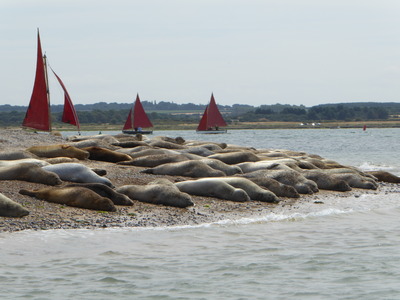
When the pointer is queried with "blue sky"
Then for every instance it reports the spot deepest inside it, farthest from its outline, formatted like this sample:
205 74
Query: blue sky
246 52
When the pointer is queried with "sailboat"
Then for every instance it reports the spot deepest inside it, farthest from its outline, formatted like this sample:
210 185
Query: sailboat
137 119
211 119
38 113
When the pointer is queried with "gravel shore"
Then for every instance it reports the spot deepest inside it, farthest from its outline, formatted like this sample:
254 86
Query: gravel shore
44 215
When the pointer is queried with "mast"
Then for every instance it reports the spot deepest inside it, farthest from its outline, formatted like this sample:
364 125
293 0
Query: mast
46 77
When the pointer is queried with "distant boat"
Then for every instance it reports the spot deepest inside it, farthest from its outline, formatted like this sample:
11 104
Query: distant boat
38 114
137 120
211 120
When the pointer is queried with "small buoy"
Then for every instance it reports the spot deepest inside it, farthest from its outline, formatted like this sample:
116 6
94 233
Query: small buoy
365 127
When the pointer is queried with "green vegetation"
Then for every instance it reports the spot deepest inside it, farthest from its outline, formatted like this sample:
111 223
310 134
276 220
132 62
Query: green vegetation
168 115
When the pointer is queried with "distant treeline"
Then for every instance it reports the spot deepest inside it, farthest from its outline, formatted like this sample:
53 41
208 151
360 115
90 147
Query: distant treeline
164 112
148 106
338 112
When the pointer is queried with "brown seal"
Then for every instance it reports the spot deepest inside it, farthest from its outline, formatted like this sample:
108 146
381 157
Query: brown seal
59 150
105 191
72 196
103 154
385 176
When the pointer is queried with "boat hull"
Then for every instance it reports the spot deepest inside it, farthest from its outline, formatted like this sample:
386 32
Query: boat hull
136 131
211 131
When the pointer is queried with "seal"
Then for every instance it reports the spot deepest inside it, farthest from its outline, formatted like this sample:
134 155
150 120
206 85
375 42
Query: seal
209 145
58 150
151 161
123 137
17 154
234 148
323 163
103 154
357 180
93 143
105 137
198 150
288 176
189 168
254 191
144 151
233 158
178 140
29 172
279 189
165 144
248 167
10 208
35 161
59 160
208 187
76 172
385 176
72 196
129 144
326 181
295 164
105 191
160 191
219 165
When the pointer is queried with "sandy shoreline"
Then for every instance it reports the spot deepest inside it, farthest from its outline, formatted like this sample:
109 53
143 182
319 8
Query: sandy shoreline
44 215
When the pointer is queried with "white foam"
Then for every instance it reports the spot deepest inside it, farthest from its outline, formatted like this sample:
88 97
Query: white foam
368 166
271 217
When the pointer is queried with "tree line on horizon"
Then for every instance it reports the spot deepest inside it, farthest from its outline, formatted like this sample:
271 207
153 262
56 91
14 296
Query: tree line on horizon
169 112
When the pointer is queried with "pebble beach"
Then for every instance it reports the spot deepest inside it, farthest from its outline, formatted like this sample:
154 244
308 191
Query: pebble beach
44 215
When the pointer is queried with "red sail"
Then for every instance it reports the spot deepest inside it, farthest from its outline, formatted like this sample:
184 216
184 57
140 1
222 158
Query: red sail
38 114
69 114
203 121
137 118
212 118
129 122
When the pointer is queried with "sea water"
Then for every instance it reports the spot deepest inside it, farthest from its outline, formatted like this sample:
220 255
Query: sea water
346 248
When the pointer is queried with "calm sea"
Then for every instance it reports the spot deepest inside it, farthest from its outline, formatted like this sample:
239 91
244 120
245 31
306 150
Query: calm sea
346 248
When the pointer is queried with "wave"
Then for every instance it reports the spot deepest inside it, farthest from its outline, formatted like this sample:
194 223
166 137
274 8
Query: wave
271 217
361 201
368 166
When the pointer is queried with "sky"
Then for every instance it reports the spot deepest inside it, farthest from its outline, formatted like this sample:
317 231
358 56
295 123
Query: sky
255 52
